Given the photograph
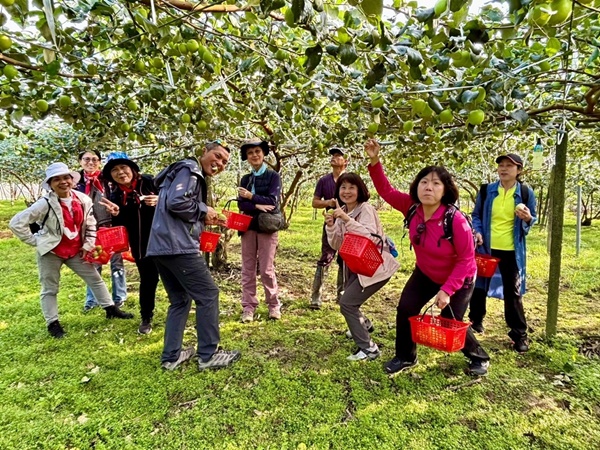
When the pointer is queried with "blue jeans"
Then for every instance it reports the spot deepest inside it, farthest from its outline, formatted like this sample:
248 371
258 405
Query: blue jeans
119 285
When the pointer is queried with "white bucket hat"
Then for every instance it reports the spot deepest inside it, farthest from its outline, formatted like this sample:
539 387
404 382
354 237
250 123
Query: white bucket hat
57 169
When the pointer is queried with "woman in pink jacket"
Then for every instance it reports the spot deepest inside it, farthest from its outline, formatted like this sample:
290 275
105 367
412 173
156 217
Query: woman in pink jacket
445 268
357 216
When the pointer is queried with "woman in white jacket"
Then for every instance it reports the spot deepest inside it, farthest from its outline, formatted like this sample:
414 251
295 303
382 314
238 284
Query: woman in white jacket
358 217
67 234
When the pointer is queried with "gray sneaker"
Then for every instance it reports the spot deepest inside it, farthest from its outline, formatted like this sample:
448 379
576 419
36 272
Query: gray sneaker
219 359
184 355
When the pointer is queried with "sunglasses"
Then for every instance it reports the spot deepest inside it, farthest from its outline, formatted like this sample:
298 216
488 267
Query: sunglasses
420 229
87 159
221 143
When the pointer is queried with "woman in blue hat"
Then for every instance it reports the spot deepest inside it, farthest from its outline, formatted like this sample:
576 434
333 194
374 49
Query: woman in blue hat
132 204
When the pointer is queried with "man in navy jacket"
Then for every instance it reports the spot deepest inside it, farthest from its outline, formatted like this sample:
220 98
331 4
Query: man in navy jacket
180 216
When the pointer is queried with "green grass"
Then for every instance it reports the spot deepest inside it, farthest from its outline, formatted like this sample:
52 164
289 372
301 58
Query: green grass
102 385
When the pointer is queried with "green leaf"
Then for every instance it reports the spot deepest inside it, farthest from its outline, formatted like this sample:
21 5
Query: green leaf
414 57
372 7
468 96
553 46
343 36
313 57
520 115
347 54
496 100
435 104
375 75
424 15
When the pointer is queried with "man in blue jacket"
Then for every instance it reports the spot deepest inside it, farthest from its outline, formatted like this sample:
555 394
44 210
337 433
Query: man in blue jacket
180 216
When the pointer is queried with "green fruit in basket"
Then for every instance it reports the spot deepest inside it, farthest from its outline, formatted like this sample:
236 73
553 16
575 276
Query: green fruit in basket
221 217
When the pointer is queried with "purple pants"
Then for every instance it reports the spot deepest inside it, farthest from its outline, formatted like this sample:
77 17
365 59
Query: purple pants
261 248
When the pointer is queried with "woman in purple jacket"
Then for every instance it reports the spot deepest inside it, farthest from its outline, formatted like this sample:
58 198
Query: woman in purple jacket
259 191
445 268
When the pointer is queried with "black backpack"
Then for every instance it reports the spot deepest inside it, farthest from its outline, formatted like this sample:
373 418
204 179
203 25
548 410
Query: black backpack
35 226
447 221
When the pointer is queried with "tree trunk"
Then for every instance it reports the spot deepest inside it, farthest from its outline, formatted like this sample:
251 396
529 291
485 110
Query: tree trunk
556 230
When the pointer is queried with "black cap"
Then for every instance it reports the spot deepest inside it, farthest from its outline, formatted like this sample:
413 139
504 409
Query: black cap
334 150
516 159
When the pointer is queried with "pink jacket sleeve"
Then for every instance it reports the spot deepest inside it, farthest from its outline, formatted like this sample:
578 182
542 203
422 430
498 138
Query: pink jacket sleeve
396 199
464 246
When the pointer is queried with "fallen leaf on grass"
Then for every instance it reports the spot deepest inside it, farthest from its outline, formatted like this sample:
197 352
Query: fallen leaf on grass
85 380
82 419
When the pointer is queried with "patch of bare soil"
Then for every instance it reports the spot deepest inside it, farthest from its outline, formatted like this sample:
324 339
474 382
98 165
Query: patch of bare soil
5 235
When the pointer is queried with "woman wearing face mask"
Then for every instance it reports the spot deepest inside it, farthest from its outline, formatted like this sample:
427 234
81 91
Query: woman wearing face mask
259 191
95 186
67 234
132 204
445 269
357 216
502 217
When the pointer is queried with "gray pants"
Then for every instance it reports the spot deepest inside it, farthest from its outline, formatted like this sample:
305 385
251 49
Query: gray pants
186 277
49 270
354 296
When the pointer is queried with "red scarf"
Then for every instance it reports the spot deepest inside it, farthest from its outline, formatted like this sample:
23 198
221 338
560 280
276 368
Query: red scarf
92 179
129 190
68 248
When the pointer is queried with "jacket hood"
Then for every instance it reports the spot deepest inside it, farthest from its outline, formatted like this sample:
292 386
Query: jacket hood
191 163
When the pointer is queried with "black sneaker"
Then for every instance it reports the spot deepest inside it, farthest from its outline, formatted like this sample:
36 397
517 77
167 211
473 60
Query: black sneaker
521 346
477 327
396 365
56 330
478 368
145 327
113 312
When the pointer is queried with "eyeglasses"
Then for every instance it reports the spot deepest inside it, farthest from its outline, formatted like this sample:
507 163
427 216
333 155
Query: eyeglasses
420 229
87 159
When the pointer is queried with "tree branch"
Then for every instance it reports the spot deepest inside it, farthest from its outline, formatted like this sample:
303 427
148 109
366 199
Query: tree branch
23 65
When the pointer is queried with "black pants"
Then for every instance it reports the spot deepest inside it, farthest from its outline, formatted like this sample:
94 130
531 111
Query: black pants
148 283
417 292
513 300
187 278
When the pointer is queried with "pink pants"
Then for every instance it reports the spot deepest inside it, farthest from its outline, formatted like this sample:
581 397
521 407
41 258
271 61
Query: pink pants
259 247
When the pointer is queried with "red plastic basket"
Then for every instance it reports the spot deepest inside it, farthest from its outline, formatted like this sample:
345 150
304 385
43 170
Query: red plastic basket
237 221
127 256
486 265
114 238
209 241
437 332
360 254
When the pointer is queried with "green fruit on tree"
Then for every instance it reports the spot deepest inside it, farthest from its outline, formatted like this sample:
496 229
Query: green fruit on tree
125 127
7 2
192 45
10 71
202 125
280 55
476 117
182 47
408 126
132 105
545 66
430 131
539 15
157 63
289 18
189 102
372 128
5 42
446 116
186 118
440 7
42 105
140 66
207 57
377 100
563 8
64 101
418 106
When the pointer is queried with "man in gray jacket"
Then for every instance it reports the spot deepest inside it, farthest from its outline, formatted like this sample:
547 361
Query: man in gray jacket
180 216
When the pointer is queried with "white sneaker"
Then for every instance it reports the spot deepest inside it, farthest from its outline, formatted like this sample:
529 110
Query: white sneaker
247 316
361 355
